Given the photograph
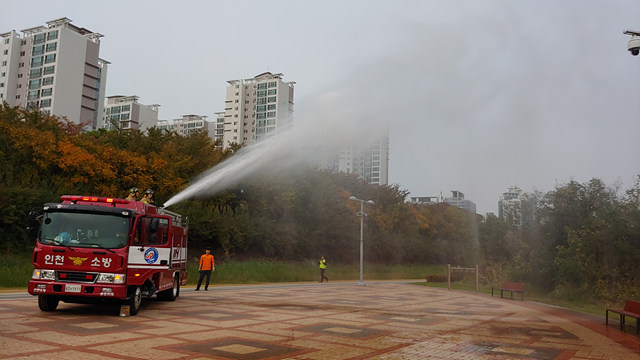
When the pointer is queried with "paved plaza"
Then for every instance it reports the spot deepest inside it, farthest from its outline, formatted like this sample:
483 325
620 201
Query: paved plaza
381 320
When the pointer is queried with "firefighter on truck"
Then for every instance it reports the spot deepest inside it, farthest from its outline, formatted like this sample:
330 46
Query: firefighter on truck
96 249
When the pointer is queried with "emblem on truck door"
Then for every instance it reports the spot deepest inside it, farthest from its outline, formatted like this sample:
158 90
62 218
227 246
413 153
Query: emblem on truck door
151 255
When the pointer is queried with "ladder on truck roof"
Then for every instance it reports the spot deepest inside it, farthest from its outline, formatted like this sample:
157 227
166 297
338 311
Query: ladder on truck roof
177 218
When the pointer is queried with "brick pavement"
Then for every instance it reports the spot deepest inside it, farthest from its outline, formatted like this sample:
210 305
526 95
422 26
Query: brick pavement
385 320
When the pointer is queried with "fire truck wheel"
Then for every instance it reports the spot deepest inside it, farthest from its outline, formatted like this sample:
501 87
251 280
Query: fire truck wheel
135 299
171 294
47 302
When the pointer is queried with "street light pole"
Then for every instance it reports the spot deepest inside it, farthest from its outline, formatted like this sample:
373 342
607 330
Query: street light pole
362 215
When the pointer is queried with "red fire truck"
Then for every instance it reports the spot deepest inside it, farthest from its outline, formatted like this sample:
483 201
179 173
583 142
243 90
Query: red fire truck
94 249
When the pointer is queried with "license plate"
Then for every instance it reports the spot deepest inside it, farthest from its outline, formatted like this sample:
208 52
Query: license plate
72 288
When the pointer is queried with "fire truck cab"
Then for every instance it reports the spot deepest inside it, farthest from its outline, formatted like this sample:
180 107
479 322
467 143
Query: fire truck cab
95 249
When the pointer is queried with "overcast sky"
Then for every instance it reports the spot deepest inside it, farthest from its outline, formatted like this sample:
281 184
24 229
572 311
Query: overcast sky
480 95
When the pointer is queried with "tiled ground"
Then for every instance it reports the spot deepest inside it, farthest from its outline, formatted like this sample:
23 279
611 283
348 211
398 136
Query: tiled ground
386 320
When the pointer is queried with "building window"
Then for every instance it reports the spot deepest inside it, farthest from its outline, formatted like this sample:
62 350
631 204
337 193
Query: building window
1 84
6 41
271 114
33 94
21 65
272 99
45 103
262 93
124 116
4 63
126 108
23 42
115 117
115 110
38 39
17 96
37 50
271 107
262 86
6 52
20 75
47 92
22 53
48 70
52 35
52 47
272 92
273 84
34 84
50 58
35 73
47 80
36 61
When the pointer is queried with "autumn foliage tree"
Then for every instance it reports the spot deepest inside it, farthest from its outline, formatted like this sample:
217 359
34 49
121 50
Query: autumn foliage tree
585 236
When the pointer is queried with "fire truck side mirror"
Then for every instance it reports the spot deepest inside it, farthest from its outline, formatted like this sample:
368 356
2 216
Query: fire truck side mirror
34 221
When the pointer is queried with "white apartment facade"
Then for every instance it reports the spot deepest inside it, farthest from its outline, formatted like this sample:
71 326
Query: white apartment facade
218 135
55 68
370 162
516 206
126 112
186 125
257 108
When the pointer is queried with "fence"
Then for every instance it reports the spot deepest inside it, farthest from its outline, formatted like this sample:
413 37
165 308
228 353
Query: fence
458 268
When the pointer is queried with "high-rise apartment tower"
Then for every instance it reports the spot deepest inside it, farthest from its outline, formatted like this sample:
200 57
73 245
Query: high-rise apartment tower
257 108
55 68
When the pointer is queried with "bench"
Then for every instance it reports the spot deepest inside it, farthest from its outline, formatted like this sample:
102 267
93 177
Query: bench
512 287
631 309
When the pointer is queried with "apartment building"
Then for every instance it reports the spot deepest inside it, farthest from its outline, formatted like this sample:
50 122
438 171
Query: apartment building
257 108
370 162
218 136
517 207
125 112
457 199
55 68
186 125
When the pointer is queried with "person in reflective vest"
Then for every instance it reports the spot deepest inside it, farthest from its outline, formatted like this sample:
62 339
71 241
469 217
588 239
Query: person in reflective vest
323 267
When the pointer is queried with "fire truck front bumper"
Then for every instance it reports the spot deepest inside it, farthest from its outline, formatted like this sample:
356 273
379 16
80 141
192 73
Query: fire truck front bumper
62 289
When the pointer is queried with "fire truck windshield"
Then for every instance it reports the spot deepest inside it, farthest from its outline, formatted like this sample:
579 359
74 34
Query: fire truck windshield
79 229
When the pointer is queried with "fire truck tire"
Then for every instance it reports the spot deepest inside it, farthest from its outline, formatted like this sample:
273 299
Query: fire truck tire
135 299
171 294
48 302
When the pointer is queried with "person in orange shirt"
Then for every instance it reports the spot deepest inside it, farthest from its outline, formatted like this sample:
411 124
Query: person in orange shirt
207 265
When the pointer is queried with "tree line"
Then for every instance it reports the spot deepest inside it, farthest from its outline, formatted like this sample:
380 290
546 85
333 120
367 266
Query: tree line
584 237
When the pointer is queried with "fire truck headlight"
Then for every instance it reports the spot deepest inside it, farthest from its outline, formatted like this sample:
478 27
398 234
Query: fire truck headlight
40 274
110 278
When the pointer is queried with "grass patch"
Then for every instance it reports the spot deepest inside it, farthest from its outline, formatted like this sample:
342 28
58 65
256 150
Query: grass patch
15 270
260 271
